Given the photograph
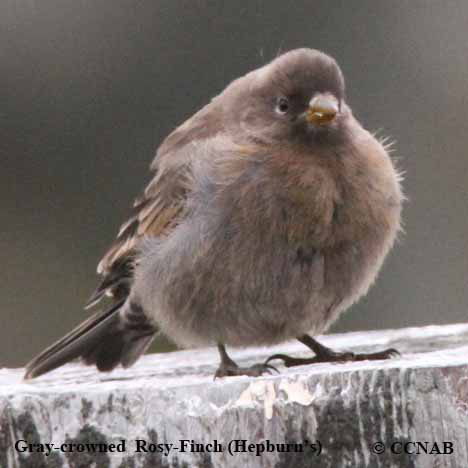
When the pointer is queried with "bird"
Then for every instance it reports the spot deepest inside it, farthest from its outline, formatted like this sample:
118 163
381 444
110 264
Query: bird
269 213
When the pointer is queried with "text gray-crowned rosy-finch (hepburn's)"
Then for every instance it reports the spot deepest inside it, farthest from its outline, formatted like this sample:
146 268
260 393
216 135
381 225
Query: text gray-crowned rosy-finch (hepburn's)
270 212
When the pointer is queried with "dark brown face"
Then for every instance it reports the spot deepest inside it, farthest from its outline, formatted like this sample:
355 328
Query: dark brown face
299 95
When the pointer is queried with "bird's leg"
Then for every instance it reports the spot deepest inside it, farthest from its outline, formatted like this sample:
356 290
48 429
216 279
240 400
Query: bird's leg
228 367
324 354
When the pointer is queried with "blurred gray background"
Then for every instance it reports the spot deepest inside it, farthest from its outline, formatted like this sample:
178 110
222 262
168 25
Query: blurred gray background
89 89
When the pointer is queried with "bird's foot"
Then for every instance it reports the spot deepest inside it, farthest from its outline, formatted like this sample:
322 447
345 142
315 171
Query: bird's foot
232 369
228 368
333 356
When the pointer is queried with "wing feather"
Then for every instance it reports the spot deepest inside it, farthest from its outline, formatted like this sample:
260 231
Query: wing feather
162 204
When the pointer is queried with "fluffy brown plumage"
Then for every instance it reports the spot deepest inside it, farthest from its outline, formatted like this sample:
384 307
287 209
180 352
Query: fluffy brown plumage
270 212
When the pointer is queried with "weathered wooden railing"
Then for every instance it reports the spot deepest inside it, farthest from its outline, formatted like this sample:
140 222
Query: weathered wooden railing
167 411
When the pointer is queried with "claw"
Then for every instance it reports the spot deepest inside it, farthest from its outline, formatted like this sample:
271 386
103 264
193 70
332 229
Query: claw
283 357
388 353
253 371
289 361
269 367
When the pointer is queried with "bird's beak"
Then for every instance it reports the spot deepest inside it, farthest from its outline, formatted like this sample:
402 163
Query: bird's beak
322 110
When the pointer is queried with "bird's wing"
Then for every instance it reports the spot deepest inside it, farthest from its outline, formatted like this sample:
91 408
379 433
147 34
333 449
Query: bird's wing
162 204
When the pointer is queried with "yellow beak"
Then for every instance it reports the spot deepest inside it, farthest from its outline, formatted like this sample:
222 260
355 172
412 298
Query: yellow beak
322 110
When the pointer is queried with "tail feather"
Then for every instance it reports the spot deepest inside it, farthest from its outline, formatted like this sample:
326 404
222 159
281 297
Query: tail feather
106 339
116 282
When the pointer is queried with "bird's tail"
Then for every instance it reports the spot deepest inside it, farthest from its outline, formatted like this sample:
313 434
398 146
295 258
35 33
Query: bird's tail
108 338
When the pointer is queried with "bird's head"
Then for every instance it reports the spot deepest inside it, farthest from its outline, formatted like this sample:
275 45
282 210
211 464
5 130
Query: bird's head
299 95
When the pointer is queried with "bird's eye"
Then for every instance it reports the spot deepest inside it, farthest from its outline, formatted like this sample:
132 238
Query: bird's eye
282 106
